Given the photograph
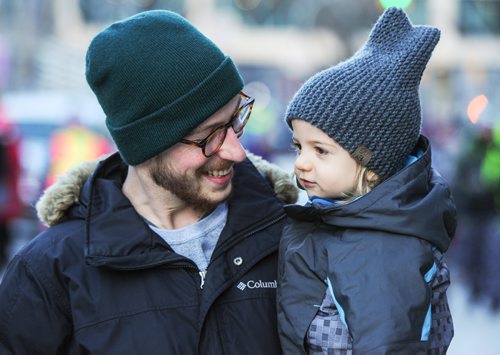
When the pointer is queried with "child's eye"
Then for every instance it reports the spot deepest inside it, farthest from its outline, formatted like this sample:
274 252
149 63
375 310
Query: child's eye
320 151
295 146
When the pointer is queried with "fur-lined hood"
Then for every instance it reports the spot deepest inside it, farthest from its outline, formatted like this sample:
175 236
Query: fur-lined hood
54 202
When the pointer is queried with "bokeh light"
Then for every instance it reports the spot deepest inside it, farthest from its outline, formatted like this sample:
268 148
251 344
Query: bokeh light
247 5
397 3
476 107
263 118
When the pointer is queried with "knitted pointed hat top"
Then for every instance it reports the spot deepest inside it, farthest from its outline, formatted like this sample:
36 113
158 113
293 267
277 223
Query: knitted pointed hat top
369 104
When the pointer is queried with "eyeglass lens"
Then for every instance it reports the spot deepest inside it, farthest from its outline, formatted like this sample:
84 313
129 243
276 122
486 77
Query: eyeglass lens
240 120
216 139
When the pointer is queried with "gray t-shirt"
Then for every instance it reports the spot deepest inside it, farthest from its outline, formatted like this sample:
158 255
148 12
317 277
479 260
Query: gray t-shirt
197 241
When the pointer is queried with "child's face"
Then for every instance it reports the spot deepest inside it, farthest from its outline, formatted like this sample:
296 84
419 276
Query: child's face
323 168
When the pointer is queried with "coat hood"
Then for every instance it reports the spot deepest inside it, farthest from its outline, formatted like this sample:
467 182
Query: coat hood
416 202
58 198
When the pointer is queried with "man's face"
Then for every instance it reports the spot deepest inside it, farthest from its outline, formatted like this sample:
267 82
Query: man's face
200 182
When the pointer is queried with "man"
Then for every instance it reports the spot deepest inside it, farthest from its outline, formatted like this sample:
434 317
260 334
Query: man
171 246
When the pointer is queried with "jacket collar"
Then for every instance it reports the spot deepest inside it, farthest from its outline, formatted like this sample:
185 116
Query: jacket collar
415 201
116 236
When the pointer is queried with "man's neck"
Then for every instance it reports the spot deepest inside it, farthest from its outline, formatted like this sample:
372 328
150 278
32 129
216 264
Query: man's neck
157 205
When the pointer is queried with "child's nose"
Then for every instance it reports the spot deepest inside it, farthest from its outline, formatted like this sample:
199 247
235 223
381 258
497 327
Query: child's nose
302 163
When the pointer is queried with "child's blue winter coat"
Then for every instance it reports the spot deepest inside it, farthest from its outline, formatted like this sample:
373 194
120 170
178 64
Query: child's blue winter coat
374 254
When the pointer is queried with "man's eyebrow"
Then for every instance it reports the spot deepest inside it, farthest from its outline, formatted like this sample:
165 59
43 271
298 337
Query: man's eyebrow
200 129
212 126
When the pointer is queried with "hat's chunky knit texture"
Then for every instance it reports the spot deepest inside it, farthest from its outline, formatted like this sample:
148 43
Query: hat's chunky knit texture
369 104
157 77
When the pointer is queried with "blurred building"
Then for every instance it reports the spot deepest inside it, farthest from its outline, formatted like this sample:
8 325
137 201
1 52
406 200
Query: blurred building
276 44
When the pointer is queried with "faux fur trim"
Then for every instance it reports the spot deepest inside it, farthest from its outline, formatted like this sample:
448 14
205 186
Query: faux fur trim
282 182
55 201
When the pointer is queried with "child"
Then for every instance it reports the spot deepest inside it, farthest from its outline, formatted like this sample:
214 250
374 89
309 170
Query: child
361 268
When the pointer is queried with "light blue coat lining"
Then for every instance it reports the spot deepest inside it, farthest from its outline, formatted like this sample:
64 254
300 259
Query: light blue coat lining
337 304
429 275
426 328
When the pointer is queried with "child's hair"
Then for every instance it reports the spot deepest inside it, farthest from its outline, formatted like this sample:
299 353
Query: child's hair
366 181
369 104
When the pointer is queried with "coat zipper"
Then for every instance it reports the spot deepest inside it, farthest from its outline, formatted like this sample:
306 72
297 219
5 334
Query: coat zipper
202 276
245 234
201 273
189 266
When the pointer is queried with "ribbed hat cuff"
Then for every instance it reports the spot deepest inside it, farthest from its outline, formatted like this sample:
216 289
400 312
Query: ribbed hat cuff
148 136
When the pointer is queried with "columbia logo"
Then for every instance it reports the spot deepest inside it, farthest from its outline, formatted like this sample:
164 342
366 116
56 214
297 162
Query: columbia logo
257 284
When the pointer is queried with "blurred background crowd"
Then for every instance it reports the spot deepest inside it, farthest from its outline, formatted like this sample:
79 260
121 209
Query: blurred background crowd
50 120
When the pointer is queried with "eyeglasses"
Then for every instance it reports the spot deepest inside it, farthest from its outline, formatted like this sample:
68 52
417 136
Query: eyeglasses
212 143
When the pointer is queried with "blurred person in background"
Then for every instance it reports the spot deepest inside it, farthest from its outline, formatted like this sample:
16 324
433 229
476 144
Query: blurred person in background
72 145
361 264
10 172
477 191
171 245
490 173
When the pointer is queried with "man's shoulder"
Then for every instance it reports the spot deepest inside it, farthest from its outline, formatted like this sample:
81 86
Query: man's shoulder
61 242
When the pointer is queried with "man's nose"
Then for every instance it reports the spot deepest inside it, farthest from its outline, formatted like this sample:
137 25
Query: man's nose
232 149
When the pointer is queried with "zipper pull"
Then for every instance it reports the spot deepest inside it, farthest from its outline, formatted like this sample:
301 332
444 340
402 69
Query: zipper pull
202 276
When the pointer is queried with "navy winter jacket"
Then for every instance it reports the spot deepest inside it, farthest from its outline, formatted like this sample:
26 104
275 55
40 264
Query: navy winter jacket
374 254
102 282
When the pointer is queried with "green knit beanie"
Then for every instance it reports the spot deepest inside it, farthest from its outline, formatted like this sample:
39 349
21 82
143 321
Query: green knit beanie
157 77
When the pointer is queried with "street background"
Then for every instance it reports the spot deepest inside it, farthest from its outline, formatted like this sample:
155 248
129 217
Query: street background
50 119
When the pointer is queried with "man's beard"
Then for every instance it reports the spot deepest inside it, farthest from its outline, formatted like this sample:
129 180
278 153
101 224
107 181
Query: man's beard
187 187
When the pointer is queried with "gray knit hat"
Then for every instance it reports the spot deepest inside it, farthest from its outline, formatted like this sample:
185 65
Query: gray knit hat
369 104
157 77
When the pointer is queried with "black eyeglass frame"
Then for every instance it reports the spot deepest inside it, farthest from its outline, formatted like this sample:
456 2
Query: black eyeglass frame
238 129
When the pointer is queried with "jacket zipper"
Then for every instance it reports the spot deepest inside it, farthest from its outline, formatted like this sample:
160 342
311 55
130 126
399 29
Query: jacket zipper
237 238
192 267
202 277
258 228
